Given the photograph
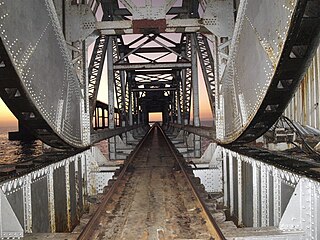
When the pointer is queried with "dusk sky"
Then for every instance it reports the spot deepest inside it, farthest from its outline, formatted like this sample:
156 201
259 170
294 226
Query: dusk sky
6 117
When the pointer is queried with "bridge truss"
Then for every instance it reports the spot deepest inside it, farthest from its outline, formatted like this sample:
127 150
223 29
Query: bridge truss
252 60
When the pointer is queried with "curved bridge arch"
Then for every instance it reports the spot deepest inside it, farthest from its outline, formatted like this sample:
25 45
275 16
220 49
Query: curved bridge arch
37 79
272 46
273 43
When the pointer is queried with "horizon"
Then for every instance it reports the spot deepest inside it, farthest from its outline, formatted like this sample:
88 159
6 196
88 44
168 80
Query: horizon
8 120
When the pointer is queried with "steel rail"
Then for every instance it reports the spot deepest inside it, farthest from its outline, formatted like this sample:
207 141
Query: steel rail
213 226
89 228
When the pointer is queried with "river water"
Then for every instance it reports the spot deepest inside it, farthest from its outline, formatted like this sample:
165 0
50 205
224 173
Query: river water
15 151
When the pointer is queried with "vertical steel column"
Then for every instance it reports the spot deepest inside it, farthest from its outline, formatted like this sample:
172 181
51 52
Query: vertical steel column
276 197
187 84
231 180
95 69
195 85
316 86
86 115
130 108
131 101
52 220
225 177
27 204
68 200
218 109
264 178
256 191
124 113
178 97
123 117
239 189
135 108
112 141
206 61
138 119
174 107
183 98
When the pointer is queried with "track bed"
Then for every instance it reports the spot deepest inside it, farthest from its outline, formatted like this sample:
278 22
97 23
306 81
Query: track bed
152 200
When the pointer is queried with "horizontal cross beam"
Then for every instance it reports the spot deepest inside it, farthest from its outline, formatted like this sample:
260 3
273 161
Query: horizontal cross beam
169 65
153 89
188 25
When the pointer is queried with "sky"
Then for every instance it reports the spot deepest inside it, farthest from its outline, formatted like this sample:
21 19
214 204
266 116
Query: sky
7 119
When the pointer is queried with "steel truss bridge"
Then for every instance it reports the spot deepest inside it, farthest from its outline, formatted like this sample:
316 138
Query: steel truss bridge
57 55
252 55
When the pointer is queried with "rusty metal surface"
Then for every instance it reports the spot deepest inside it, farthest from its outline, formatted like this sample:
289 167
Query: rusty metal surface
60 200
151 199
305 106
39 198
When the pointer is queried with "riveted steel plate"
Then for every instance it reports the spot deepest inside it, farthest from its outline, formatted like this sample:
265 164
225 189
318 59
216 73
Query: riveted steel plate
38 81
265 65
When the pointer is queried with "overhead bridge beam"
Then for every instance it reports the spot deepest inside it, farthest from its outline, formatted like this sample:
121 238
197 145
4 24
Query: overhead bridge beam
153 50
171 26
153 89
134 66
123 12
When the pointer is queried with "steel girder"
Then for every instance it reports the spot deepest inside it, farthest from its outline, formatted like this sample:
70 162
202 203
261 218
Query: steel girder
121 86
99 51
186 82
154 75
207 66
95 69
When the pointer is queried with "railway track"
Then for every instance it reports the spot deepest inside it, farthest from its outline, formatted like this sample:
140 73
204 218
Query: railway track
153 197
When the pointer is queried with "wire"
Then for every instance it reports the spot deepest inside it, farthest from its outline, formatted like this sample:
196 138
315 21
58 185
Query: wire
314 154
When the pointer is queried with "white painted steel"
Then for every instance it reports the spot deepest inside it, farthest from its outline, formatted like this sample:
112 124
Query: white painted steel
210 178
10 227
249 75
295 215
23 183
39 55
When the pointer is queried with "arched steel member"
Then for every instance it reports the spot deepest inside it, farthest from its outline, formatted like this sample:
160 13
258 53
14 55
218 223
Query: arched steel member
272 46
37 80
